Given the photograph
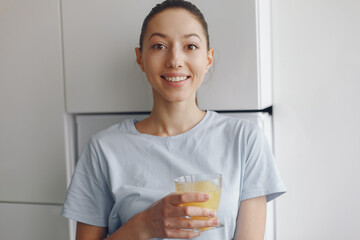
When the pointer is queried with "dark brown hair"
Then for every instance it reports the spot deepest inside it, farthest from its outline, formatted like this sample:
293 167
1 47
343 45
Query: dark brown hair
168 4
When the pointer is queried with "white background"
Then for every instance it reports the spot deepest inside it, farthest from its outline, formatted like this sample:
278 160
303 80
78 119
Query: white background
316 52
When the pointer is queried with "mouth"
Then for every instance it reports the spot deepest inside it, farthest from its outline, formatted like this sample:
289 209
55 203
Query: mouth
175 79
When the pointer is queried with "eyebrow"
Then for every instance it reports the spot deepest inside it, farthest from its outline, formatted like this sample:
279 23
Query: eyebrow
165 36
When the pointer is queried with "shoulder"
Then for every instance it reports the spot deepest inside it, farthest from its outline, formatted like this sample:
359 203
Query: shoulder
227 129
115 133
229 122
235 126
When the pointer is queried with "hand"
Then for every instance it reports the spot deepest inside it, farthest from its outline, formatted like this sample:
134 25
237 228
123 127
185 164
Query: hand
165 218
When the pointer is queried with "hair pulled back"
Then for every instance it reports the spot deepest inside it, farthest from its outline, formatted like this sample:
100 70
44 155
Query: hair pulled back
169 4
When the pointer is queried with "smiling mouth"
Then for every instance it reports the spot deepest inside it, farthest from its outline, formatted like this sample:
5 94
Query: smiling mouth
175 79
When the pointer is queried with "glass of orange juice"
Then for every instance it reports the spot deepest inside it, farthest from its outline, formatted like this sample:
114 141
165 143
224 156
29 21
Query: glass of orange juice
209 183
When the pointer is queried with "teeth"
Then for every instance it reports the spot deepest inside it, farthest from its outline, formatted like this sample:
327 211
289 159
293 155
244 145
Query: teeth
175 79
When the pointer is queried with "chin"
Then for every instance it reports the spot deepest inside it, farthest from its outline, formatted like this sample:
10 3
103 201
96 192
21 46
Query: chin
174 97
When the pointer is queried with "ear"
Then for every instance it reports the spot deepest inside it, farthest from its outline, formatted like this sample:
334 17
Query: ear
139 59
210 57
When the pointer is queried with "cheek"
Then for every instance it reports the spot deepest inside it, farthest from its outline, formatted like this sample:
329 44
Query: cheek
152 64
198 65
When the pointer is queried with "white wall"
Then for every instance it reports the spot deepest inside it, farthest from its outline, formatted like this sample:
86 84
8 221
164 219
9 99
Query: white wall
316 52
32 108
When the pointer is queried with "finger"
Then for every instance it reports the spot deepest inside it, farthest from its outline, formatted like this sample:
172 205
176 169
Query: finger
187 197
193 211
176 233
180 211
183 223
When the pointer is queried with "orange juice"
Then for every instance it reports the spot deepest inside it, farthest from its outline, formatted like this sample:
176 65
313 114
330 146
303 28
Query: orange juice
208 187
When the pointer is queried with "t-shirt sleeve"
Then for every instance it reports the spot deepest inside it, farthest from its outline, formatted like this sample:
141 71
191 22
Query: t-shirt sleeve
260 174
89 199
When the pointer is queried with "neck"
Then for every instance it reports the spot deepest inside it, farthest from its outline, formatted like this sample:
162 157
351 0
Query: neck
171 118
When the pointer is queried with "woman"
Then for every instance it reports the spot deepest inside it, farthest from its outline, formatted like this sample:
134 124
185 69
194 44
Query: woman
122 185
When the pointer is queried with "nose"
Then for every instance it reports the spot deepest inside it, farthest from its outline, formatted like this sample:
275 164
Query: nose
175 58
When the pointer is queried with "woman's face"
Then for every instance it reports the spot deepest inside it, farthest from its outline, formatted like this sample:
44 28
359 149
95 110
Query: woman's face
174 57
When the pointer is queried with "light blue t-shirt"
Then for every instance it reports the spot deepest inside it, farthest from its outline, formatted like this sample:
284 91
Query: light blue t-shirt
121 172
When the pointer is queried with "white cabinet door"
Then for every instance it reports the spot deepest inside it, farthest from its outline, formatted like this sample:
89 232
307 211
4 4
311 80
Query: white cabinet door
240 33
32 222
32 157
101 73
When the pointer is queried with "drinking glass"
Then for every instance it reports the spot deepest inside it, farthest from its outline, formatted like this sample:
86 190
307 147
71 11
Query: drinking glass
209 183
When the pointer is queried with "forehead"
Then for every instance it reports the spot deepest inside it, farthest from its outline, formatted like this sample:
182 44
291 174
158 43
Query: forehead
175 22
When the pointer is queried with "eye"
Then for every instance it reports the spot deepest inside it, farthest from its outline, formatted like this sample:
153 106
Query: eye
191 47
158 46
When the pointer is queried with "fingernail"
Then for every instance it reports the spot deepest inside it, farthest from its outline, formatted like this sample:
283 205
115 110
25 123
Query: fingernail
215 221
212 214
